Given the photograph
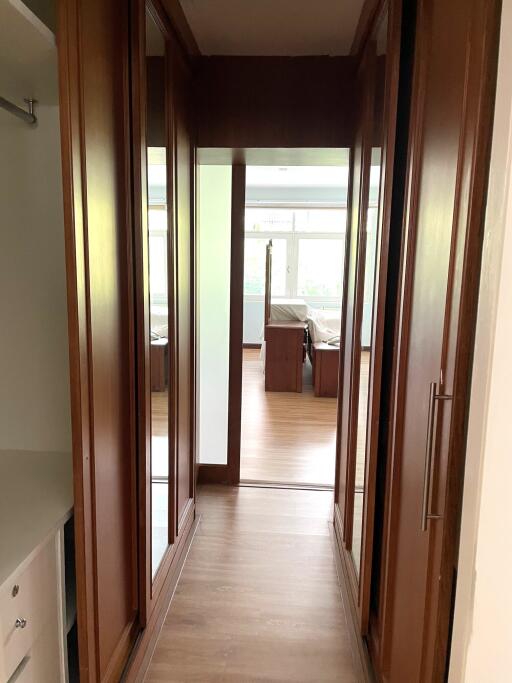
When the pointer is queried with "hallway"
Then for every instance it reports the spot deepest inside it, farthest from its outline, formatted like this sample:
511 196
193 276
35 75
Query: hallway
258 599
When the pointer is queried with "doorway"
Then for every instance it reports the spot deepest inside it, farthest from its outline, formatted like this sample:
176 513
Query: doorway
294 243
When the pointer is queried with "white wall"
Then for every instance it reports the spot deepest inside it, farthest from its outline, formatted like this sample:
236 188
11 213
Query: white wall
34 374
214 246
482 636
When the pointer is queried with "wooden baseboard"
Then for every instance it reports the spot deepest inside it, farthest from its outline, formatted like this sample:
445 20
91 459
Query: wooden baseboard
213 474
140 659
361 656
252 346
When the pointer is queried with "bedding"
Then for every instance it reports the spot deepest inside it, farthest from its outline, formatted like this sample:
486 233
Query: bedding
288 309
159 321
324 324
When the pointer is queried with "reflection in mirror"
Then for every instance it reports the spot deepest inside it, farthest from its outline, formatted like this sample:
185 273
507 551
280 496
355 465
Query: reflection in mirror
369 255
157 222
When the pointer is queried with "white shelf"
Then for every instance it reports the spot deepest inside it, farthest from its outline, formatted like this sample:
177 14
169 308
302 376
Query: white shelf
28 56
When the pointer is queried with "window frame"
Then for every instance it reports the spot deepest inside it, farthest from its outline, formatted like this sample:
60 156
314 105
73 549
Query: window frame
292 238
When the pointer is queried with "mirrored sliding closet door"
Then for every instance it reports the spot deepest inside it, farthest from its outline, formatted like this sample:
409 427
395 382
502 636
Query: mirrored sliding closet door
363 318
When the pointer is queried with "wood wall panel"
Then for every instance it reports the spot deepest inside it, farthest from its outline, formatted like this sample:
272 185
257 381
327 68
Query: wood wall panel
275 101
93 57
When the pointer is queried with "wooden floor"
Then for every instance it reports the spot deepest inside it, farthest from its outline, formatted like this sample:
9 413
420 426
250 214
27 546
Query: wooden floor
159 477
258 599
285 437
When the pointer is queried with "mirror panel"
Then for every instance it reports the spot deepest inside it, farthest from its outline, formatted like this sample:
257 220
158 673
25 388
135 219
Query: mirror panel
369 240
158 304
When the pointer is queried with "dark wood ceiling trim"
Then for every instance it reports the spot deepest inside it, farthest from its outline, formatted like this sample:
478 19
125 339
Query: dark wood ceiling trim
370 10
181 27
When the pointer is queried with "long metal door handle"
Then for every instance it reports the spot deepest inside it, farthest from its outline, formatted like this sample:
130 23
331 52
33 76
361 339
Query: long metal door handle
429 450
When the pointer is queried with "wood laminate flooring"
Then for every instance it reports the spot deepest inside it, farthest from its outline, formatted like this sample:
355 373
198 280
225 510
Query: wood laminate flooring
159 477
258 599
285 437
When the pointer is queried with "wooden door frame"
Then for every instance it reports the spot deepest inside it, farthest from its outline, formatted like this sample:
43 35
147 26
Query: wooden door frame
230 472
236 321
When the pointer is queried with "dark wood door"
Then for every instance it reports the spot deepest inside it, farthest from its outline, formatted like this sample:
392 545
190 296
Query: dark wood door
93 39
446 169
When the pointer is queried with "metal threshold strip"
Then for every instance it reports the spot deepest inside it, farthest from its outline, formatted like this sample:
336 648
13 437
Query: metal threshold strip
255 483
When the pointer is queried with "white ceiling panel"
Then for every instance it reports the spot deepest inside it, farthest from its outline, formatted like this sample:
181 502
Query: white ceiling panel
273 27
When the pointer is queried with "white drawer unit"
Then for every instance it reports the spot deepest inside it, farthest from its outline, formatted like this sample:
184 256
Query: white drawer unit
33 611
31 622
42 663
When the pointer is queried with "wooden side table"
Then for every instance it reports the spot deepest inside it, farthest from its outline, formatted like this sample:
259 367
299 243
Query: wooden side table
326 359
284 355
159 364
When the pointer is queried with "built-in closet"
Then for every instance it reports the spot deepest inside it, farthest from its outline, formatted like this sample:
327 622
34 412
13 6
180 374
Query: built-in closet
128 180
421 147
38 634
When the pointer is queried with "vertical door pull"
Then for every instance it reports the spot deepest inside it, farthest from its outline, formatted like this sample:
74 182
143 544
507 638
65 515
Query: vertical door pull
433 398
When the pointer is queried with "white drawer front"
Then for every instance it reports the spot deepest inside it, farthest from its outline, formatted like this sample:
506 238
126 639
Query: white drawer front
34 604
41 664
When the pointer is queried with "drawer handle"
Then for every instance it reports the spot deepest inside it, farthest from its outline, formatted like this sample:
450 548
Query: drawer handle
15 590
20 623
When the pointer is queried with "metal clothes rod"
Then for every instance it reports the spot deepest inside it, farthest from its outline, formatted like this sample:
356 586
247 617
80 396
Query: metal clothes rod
27 116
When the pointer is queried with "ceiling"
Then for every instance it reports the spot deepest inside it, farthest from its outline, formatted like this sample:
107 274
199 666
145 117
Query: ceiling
273 27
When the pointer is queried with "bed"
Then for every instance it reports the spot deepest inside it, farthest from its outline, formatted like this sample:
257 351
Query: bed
159 321
288 309
159 348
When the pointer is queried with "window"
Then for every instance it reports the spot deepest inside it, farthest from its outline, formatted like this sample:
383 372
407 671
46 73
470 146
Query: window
157 225
307 255
254 267
320 220
320 268
269 220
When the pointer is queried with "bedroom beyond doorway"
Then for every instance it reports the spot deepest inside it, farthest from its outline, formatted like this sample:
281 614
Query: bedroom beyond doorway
272 266
294 246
